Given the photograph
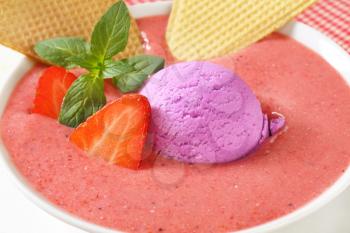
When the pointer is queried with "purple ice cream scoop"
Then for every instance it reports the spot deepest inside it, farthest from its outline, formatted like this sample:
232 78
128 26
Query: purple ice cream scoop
204 113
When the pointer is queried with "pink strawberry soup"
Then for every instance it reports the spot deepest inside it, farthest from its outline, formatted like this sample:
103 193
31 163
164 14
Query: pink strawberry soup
284 174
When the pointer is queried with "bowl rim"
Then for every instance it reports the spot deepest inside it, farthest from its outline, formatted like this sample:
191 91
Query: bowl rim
323 46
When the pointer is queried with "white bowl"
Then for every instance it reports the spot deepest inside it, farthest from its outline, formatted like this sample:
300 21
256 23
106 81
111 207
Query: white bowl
13 65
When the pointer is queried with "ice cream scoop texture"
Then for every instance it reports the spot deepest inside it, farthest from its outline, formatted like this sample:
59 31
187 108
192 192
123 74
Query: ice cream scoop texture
203 113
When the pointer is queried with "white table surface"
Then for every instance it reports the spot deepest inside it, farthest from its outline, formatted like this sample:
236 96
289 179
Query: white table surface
19 215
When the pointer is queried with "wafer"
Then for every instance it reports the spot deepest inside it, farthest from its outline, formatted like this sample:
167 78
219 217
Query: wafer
25 22
210 28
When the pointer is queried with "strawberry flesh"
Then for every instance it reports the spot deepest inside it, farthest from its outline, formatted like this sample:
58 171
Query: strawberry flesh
52 87
116 133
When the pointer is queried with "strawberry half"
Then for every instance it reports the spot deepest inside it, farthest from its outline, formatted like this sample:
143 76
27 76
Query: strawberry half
116 133
52 87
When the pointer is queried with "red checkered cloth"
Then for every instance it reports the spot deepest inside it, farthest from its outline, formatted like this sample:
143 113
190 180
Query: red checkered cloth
332 17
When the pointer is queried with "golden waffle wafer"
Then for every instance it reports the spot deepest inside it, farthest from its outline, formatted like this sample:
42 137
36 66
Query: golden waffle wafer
211 28
25 22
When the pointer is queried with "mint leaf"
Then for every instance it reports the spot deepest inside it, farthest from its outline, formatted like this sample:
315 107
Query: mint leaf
146 63
114 68
85 60
143 66
129 82
84 98
58 50
110 35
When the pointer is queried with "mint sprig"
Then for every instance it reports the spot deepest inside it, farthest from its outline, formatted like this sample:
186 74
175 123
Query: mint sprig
85 60
84 98
58 50
113 68
140 68
111 33
109 37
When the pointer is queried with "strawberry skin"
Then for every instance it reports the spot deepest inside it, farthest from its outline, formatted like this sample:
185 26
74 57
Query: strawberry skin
52 87
116 133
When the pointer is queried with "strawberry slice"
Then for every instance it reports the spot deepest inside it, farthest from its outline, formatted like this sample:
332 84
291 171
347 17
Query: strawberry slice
52 87
116 133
